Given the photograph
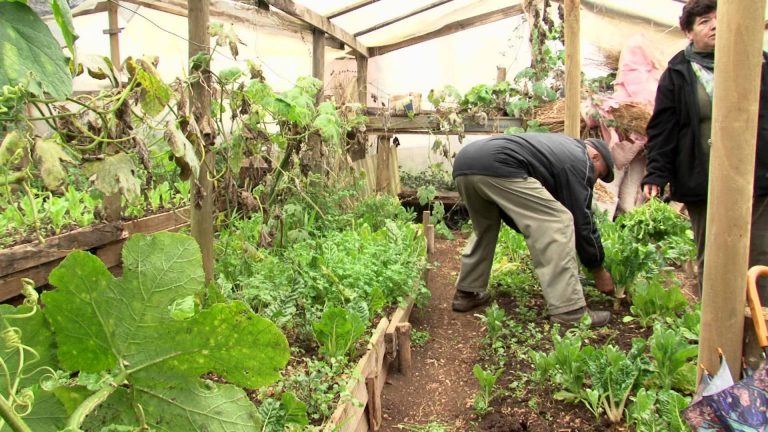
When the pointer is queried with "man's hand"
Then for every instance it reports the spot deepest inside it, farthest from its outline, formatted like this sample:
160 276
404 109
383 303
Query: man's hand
651 190
603 280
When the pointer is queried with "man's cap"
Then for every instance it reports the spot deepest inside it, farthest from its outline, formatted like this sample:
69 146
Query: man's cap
605 152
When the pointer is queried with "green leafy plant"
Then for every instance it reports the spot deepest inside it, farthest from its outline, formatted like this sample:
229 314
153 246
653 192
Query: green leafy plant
657 411
565 366
419 338
494 319
124 331
671 366
429 427
614 374
626 258
652 301
487 381
337 331
426 196
277 415
512 272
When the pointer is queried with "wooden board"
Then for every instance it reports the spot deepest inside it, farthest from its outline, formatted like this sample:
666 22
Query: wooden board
35 261
448 29
401 315
29 255
318 21
351 416
428 123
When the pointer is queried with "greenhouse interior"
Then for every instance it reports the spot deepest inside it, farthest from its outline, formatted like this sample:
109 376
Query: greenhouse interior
383 215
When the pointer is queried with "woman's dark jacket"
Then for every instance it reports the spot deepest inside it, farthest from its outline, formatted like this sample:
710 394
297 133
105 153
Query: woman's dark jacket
673 150
558 162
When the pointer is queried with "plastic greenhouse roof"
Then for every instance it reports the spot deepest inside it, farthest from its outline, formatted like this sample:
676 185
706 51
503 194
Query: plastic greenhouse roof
442 13
661 14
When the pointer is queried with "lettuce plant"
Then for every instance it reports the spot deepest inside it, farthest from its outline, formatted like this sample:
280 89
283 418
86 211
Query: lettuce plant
652 301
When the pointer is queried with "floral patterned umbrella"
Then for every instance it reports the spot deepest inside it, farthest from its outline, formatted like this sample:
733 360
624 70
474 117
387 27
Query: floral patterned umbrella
721 404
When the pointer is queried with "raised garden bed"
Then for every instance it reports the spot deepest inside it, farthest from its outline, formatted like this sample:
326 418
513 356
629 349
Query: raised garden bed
35 260
390 347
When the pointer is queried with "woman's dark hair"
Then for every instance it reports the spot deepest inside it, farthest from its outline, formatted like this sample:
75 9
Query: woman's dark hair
694 9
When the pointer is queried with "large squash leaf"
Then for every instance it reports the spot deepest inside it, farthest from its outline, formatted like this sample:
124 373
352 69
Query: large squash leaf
63 16
130 325
51 155
116 173
33 332
47 415
183 152
200 406
30 54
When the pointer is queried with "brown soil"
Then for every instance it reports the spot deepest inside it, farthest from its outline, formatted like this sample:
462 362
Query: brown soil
442 386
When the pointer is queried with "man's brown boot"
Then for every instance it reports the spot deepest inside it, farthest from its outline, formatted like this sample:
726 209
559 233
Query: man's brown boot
464 301
599 318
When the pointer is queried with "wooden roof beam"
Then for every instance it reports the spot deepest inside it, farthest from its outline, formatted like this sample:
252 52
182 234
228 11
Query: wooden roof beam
320 22
234 12
402 17
351 8
448 29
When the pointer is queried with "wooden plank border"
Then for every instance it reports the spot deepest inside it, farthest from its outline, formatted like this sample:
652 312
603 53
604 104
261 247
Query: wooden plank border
35 261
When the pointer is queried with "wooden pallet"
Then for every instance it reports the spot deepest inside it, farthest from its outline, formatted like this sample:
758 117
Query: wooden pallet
36 260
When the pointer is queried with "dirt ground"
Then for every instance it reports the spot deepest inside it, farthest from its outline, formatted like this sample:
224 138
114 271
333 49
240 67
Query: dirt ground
442 386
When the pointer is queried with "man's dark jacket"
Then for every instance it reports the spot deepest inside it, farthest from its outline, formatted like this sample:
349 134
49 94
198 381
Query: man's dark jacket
558 162
673 150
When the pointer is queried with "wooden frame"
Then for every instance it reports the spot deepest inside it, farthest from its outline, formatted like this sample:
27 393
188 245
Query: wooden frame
35 261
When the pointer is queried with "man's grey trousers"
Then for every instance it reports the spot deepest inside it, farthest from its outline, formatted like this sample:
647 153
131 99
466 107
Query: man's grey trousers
546 225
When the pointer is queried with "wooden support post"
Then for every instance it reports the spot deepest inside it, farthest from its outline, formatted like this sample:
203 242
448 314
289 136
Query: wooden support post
426 216
318 59
394 168
732 160
362 80
114 33
501 74
382 163
572 68
404 348
202 188
374 402
429 231
113 202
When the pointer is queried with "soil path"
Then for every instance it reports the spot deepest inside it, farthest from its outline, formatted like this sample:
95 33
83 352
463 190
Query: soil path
442 386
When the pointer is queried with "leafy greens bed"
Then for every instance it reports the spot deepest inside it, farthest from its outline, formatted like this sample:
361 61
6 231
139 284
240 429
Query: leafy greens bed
324 281
157 350
643 382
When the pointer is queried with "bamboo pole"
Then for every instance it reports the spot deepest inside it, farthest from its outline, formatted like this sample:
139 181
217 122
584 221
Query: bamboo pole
572 68
202 189
732 162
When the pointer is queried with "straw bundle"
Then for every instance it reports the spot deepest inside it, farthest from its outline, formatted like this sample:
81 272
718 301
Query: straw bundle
631 118
552 116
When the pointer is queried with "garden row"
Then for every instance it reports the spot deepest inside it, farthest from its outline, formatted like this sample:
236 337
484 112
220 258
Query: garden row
638 371
305 325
